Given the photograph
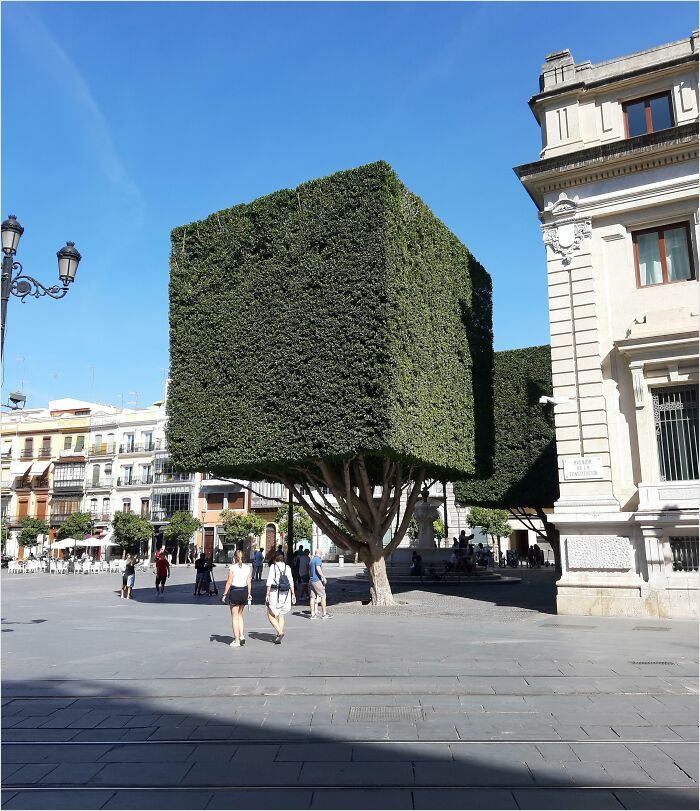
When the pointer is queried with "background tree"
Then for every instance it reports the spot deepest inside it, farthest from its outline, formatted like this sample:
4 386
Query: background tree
179 532
77 526
238 527
130 531
524 479
494 523
303 526
4 532
439 530
345 382
31 529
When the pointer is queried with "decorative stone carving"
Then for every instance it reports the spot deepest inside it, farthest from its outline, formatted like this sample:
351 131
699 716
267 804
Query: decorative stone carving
607 552
566 233
639 387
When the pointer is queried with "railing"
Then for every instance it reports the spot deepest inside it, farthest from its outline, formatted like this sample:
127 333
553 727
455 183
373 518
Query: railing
172 477
165 515
134 481
138 447
41 484
102 449
100 483
100 518
27 454
44 453
68 484
685 553
6 455
67 453
59 518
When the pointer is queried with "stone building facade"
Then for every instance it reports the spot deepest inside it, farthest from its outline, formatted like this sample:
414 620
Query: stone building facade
616 188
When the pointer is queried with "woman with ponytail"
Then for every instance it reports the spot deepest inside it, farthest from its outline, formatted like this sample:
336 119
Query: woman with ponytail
238 591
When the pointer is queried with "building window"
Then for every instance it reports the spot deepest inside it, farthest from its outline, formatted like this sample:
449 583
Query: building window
127 475
236 501
144 507
93 506
649 114
676 418
105 505
663 255
147 437
685 553
126 505
79 443
28 451
46 447
215 501
95 475
146 474
67 443
128 443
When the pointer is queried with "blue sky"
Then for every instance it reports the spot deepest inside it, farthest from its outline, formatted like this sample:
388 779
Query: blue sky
121 121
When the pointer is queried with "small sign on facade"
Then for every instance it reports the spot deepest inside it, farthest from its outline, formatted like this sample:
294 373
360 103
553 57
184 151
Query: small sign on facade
583 467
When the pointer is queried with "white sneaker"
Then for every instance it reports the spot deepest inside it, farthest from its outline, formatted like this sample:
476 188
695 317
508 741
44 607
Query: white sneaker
325 616
314 616
235 644
242 641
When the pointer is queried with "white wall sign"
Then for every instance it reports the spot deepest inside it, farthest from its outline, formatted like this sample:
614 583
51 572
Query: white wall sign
583 467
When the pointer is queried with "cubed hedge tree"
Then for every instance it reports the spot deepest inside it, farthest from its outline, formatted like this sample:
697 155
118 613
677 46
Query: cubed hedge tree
330 336
524 479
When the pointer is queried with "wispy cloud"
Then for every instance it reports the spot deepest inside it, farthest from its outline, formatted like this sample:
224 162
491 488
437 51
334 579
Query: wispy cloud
30 32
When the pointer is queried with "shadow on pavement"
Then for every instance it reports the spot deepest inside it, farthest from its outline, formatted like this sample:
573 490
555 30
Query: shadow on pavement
101 744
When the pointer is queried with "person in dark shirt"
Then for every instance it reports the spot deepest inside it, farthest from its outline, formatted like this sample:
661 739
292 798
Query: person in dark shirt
129 577
200 575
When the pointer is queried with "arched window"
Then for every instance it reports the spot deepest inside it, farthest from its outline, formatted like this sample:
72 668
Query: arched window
126 505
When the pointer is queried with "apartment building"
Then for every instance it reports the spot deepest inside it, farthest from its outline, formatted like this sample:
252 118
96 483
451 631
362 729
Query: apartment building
616 189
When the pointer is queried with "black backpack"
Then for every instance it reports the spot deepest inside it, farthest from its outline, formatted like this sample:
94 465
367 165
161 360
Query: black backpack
283 584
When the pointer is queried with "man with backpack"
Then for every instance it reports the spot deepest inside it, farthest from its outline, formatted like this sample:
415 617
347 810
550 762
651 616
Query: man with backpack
317 584
280 596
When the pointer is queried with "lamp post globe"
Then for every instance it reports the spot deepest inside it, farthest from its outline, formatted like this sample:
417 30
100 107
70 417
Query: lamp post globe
68 261
11 233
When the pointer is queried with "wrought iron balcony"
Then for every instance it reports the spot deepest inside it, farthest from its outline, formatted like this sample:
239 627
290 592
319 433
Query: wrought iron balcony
27 453
159 515
163 477
134 481
100 518
100 484
44 453
102 449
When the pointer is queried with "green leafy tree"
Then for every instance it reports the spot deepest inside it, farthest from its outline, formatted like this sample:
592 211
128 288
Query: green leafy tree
303 526
179 532
77 526
131 531
330 292
4 532
31 529
238 527
494 523
439 530
524 479
413 528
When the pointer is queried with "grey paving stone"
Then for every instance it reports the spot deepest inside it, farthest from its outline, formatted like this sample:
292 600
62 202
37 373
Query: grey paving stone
255 754
666 772
133 774
570 799
466 799
299 752
241 774
600 733
43 735
159 799
407 751
626 773
688 733
148 753
10 768
52 754
556 751
674 799
98 735
357 774
480 774
272 800
647 733
72 774
474 754
32 773
57 799
685 755
213 752
602 751
586 773
358 798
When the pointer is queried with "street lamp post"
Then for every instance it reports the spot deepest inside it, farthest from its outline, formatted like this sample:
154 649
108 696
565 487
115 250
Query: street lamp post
21 285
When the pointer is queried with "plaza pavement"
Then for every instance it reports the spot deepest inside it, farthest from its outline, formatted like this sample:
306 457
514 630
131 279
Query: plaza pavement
475 698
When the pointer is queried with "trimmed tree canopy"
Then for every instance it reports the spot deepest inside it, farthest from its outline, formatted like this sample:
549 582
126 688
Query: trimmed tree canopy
525 457
335 319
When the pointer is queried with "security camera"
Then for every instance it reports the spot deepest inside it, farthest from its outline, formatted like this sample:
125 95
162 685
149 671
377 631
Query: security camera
17 399
544 400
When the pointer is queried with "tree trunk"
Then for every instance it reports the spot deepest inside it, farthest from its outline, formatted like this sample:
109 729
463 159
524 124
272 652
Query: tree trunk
379 583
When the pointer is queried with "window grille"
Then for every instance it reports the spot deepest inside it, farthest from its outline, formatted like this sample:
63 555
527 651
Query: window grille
685 553
676 418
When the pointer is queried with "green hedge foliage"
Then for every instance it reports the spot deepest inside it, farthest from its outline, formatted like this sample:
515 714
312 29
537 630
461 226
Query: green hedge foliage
318 322
525 458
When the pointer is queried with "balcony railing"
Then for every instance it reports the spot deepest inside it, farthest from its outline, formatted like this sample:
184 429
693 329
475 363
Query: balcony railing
27 454
165 515
59 518
100 484
685 554
71 453
102 449
6 455
44 453
100 518
68 484
134 481
141 447
161 478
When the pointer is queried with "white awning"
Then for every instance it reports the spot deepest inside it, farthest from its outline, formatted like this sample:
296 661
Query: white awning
6 445
39 468
19 468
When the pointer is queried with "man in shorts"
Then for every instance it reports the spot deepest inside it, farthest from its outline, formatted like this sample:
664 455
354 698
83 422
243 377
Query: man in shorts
162 572
317 586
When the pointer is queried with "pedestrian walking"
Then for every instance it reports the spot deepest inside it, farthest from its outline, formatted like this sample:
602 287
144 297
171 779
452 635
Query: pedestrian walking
304 565
258 560
317 584
199 573
239 592
129 577
162 572
210 583
280 596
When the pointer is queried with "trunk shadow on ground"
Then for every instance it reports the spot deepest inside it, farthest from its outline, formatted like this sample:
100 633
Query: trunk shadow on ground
123 748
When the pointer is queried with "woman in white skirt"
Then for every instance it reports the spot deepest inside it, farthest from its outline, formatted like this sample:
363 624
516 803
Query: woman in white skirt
280 595
238 591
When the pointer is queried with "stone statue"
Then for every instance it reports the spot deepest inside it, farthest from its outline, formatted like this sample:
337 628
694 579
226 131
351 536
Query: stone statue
425 513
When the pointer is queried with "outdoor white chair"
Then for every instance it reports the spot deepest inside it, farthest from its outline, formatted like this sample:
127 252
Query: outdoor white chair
13 567
96 567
